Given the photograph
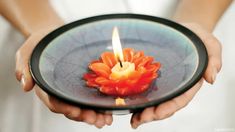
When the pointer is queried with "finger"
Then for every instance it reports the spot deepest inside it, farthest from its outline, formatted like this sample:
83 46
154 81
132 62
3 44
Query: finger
22 68
214 50
84 115
215 59
166 109
146 116
135 120
56 105
22 72
18 71
27 82
170 107
100 120
22 59
88 116
108 119
72 112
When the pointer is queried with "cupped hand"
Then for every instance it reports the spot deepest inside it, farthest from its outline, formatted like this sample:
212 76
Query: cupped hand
168 108
55 105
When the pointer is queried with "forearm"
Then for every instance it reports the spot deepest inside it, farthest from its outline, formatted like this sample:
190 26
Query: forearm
203 12
29 16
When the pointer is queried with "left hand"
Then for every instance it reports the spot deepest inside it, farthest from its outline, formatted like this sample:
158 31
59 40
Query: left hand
55 105
168 108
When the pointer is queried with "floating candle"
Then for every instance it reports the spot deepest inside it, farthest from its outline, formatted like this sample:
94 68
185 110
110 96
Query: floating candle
125 68
122 73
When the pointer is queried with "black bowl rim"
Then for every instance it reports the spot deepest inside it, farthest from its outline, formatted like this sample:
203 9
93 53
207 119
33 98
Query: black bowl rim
35 57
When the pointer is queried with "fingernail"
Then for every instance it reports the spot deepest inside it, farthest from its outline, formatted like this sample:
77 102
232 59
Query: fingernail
99 127
108 121
135 126
74 114
90 121
22 81
214 73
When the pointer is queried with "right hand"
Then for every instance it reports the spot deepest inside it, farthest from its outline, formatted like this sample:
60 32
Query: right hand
55 105
168 108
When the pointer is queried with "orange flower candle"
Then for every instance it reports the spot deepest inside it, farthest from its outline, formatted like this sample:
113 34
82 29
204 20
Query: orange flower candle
122 73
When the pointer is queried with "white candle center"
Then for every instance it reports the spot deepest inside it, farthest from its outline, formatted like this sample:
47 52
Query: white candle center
125 70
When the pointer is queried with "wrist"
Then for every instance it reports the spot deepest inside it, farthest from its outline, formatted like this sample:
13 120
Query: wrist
205 13
42 25
29 16
206 25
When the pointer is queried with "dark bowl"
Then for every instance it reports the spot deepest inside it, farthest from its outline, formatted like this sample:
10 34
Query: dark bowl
61 58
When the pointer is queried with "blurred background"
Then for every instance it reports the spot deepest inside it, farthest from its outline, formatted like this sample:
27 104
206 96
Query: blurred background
212 109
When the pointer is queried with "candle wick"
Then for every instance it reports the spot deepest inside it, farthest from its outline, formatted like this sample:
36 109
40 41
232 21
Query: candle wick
120 62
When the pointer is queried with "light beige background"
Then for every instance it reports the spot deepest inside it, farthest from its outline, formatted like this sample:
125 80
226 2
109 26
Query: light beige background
212 110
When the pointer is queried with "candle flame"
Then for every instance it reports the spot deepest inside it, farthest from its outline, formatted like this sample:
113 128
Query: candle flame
117 47
119 101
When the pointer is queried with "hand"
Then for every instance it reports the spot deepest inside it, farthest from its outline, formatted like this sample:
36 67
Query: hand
168 108
55 105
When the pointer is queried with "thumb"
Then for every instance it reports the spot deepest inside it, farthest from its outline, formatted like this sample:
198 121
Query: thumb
26 81
23 55
22 62
22 70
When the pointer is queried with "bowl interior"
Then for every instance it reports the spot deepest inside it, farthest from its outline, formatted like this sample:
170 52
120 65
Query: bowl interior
64 59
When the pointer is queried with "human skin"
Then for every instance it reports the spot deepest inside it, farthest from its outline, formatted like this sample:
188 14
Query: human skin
201 17
34 19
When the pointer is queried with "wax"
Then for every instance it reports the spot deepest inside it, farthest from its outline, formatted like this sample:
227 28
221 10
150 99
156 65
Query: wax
135 77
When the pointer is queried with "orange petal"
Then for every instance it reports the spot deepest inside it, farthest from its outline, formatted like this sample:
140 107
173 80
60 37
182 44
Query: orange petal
145 80
138 55
149 75
103 81
137 61
109 59
157 64
134 75
128 54
122 91
101 69
108 90
95 61
92 83
144 87
145 61
89 76
131 82
152 68
141 70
